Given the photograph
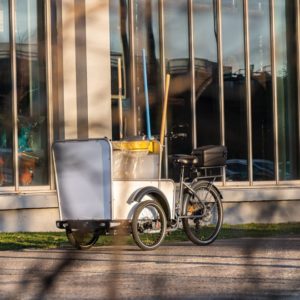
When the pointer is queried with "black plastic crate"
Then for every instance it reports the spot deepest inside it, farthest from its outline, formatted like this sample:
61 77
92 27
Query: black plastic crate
211 155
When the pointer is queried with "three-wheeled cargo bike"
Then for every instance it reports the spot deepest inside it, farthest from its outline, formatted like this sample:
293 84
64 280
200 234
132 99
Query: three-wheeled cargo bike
106 187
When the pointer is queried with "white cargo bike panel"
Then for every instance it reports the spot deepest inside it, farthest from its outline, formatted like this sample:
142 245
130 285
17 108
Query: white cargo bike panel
83 179
123 191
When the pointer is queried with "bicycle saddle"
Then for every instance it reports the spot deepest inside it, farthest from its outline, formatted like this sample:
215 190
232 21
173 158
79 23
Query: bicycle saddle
184 159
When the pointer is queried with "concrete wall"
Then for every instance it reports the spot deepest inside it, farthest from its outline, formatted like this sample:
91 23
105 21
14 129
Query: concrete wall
261 212
39 212
29 220
28 212
43 219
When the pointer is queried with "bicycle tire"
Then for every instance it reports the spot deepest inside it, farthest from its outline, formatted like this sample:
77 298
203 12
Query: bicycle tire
199 229
82 239
147 231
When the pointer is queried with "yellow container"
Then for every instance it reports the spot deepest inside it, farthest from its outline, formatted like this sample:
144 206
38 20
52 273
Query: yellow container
142 145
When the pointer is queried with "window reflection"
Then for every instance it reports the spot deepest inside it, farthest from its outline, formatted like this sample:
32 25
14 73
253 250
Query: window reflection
234 89
147 37
287 90
31 93
178 65
206 72
176 45
261 90
6 161
119 49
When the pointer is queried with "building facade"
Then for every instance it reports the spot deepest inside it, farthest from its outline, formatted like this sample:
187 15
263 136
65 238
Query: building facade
234 67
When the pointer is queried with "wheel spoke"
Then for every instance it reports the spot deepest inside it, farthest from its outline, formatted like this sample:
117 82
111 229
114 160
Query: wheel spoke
148 225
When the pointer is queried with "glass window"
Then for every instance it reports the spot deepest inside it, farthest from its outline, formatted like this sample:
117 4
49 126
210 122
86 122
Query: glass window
234 86
261 90
31 93
206 72
119 50
6 140
146 33
287 90
178 66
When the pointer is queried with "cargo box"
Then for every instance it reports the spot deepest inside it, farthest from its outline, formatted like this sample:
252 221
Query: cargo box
135 160
211 155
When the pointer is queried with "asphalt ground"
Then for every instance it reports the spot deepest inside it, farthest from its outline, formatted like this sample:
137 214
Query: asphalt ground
247 268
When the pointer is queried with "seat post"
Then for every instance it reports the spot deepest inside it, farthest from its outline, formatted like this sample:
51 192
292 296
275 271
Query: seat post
181 173
181 179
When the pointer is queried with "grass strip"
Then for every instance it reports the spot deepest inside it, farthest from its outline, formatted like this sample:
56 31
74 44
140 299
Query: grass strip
48 240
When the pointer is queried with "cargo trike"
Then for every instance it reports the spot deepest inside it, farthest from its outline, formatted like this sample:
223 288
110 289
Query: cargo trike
107 188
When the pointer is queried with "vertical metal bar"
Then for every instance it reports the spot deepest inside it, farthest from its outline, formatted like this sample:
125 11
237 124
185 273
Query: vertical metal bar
298 63
162 47
14 91
274 89
132 65
221 75
48 46
120 104
248 90
163 73
30 65
192 71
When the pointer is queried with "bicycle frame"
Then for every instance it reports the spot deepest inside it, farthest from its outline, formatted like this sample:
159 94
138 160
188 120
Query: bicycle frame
179 202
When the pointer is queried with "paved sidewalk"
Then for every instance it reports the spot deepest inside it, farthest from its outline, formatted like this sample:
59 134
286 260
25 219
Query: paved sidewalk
228 269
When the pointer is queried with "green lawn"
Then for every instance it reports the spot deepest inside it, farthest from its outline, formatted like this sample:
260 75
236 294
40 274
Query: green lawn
22 240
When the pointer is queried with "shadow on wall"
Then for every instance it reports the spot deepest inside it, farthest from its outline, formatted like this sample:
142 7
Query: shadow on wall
261 212
26 220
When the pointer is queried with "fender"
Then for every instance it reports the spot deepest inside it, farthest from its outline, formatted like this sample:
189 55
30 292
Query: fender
212 187
154 192
217 191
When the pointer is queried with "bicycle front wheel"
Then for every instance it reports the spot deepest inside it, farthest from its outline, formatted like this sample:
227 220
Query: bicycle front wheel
149 225
204 218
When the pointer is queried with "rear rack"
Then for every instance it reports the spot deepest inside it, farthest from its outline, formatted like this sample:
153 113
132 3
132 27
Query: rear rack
208 172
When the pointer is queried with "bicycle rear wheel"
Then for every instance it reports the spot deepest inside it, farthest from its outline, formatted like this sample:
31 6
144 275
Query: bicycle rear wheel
202 224
149 225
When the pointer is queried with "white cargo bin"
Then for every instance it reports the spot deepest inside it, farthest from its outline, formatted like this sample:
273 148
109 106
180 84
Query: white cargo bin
123 190
83 179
